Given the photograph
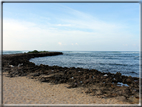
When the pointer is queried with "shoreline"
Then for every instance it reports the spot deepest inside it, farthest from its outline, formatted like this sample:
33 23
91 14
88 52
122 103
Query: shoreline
102 85
19 90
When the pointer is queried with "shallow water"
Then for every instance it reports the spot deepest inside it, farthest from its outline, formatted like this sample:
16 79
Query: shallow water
121 84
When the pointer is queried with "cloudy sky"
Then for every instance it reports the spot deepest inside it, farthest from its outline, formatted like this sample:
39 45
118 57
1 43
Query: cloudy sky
71 26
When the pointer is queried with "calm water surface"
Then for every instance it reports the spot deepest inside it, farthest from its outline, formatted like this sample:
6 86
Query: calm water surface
124 62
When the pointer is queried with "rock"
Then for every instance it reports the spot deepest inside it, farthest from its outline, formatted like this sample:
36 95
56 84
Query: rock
121 98
128 80
11 66
119 92
114 94
87 77
109 85
107 80
34 74
99 92
90 76
88 91
105 75
118 73
43 80
136 95
6 69
62 81
126 92
23 74
86 81
74 85
13 73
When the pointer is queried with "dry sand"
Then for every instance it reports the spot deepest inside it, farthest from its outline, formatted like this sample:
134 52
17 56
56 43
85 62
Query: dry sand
21 90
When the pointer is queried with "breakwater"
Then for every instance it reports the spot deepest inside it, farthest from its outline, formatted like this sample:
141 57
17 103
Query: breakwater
15 59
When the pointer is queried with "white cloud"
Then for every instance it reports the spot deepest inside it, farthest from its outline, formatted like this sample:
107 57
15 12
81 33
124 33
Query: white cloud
63 25
87 32
19 35
59 43
74 43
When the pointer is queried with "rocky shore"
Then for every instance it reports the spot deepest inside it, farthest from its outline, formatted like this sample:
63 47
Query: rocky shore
100 84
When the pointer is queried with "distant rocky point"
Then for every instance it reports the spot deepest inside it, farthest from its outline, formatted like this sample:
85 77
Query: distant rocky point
35 51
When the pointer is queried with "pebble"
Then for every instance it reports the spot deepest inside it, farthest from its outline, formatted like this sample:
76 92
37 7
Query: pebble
99 92
105 75
11 65
20 65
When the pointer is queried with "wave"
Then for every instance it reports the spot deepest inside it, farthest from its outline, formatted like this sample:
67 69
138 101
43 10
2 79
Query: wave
130 52
77 52
12 52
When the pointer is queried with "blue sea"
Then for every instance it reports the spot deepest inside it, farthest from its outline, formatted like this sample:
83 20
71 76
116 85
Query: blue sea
125 62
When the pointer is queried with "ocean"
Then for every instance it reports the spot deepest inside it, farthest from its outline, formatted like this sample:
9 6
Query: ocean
125 62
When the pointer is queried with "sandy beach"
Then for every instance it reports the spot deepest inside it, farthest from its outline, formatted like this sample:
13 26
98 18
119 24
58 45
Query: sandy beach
22 90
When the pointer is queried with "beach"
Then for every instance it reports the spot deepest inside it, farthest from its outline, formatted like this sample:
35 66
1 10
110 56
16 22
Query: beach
26 83
22 90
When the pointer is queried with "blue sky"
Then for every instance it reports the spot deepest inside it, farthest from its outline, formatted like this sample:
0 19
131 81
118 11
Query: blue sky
71 26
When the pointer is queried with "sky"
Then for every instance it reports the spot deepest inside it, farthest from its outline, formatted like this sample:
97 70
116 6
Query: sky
71 26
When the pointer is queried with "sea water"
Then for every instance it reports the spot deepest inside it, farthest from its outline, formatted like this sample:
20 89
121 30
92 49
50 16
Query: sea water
11 52
125 62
